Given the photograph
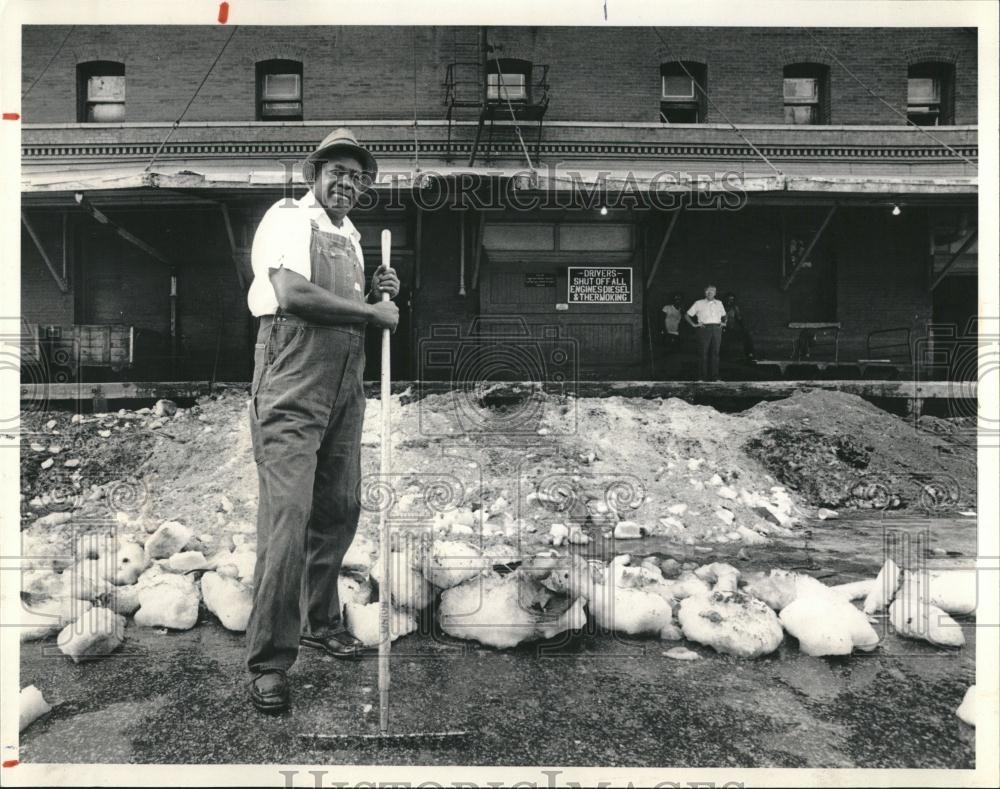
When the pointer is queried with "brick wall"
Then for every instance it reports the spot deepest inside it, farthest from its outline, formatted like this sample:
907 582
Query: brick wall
882 274
736 251
880 260
121 284
41 300
881 265
597 74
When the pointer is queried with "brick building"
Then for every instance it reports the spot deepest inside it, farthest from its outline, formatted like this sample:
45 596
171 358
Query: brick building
521 168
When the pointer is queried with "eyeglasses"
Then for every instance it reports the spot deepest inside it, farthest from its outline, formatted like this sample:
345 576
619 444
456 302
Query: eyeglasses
338 173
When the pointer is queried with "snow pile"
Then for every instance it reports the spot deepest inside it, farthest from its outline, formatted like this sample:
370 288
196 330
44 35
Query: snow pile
97 633
828 624
499 527
32 705
362 622
505 610
966 711
227 598
731 623
167 600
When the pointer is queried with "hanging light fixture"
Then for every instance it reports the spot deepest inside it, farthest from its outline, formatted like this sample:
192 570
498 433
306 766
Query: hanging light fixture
604 210
896 210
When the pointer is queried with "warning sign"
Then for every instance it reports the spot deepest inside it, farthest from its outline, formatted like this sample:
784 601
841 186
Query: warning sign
600 285
536 280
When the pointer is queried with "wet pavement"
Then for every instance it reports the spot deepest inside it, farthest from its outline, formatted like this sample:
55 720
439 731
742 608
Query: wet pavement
589 699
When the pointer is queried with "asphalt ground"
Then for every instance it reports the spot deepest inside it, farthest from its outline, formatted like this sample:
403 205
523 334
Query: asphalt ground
589 699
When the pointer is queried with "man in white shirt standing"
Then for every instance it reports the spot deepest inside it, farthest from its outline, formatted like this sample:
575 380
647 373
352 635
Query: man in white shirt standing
307 405
711 317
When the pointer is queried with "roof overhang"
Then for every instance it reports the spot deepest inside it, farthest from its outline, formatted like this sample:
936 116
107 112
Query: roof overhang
199 181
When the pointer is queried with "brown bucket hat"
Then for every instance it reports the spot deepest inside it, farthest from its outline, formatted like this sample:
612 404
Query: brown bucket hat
342 140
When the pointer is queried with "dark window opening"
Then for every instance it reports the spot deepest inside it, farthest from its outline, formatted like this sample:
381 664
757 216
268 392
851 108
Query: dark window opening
930 94
279 90
508 79
806 94
682 92
812 295
100 91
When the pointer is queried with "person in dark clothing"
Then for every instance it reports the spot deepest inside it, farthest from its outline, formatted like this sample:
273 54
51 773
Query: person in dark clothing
737 332
673 312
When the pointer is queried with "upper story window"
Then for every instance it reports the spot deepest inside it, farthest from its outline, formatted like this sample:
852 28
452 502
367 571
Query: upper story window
508 79
682 92
279 90
930 94
805 94
100 92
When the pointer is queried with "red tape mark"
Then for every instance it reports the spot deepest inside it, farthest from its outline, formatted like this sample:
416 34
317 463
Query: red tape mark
11 116
223 13
11 763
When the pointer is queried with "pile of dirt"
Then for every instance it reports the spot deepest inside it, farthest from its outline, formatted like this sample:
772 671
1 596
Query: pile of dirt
491 485
683 471
822 468
563 461
839 450
67 459
206 477
542 462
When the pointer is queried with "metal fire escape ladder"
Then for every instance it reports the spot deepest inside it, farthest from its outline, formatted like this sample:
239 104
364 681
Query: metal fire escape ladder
465 78
466 87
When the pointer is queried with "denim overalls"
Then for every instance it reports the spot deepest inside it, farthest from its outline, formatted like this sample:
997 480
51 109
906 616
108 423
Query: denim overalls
307 406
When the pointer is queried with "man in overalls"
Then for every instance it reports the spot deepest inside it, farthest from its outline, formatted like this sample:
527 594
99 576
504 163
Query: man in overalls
307 405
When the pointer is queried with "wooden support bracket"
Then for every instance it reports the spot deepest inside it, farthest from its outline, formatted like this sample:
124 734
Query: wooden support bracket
243 276
808 250
229 228
418 247
663 246
954 258
60 280
98 215
480 230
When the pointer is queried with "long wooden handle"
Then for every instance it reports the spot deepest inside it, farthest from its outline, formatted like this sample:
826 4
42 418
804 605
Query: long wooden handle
384 587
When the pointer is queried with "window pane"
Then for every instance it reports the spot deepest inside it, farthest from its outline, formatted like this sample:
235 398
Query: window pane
806 88
106 88
679 87
923 90
923 118
281 86
514 87
281 109
105 112
679 113
800 114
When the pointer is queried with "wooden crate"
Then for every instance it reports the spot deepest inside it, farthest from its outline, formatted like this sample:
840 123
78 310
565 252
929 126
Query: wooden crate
108 345
31 343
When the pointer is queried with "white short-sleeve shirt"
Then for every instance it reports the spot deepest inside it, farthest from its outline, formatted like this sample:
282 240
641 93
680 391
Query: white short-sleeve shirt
282 239
708 312
672 318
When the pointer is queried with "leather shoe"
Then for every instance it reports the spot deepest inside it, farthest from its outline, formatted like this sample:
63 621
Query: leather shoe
269 691
340 644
